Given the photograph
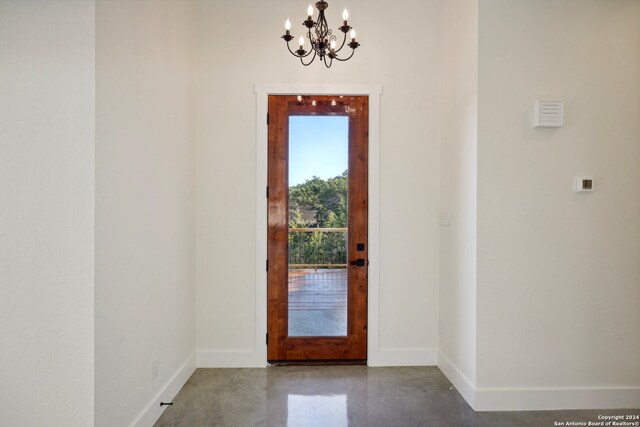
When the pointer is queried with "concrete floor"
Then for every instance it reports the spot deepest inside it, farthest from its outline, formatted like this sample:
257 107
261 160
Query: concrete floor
334 396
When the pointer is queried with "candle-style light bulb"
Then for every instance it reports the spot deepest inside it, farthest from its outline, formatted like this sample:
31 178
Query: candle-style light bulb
353 35
287 25
301 41
310 11
333 45
345 15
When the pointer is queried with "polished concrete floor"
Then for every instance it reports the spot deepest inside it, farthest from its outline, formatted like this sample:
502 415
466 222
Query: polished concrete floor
335 396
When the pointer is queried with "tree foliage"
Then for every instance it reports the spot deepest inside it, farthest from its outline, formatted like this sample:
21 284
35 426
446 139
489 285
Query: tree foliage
318 203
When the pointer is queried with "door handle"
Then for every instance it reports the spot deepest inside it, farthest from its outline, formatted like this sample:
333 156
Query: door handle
359 262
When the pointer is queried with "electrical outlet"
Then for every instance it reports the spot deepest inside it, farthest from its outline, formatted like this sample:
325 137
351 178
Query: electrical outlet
583 184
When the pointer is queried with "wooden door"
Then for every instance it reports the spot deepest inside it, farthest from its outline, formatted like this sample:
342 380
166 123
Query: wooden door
306 290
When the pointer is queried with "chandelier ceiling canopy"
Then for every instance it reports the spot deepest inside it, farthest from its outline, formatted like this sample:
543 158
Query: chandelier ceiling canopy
323 42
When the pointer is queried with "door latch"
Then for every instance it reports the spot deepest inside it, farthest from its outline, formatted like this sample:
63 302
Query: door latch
359 262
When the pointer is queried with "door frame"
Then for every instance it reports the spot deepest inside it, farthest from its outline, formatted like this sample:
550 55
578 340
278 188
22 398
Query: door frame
262 129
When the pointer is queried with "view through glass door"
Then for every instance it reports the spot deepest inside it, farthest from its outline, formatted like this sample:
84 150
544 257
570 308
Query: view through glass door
318 194
317 235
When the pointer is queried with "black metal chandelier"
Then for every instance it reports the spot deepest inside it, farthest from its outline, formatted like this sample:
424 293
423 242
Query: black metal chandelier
323 42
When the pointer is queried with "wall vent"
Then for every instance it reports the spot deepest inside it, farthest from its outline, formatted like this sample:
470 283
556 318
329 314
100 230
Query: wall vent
548 114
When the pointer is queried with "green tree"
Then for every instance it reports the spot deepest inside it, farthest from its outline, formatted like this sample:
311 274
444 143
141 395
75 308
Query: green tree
325 200
318 203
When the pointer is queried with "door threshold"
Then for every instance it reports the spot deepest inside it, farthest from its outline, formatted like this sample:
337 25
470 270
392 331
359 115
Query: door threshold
317 362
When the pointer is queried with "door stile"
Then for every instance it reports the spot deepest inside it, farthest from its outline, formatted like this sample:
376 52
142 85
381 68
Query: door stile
278 228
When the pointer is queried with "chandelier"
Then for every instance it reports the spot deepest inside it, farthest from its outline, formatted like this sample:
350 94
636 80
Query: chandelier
323 42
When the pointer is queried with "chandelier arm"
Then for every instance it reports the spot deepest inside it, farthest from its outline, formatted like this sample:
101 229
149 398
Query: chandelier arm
295 54
311 39
346 59
328 65
292 53
312 59
342 45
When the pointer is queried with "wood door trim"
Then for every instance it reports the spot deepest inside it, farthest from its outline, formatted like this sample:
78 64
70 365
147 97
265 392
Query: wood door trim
280 346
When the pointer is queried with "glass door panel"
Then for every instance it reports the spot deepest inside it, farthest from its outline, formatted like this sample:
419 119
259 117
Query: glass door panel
318 225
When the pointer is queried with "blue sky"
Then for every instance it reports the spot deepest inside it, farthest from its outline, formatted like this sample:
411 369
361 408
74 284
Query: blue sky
318 146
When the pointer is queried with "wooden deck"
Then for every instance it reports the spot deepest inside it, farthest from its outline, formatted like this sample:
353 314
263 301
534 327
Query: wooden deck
322 289
317 302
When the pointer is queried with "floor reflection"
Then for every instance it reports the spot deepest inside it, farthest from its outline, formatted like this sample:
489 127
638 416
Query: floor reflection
317 410
322 396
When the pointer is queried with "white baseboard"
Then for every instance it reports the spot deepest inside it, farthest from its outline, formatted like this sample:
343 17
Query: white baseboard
229 359
460 381
545 399
538 399
153 410
402 357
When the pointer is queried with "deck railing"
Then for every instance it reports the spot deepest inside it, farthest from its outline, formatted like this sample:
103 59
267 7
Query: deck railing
317 248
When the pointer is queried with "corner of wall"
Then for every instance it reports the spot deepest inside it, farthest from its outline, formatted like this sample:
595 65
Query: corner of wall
459 380
168 391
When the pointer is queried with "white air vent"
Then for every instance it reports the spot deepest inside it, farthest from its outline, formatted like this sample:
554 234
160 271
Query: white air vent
548 114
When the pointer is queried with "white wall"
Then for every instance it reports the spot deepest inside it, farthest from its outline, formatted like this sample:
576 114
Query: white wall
145 206
233 57
46 212
559 273
458 192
